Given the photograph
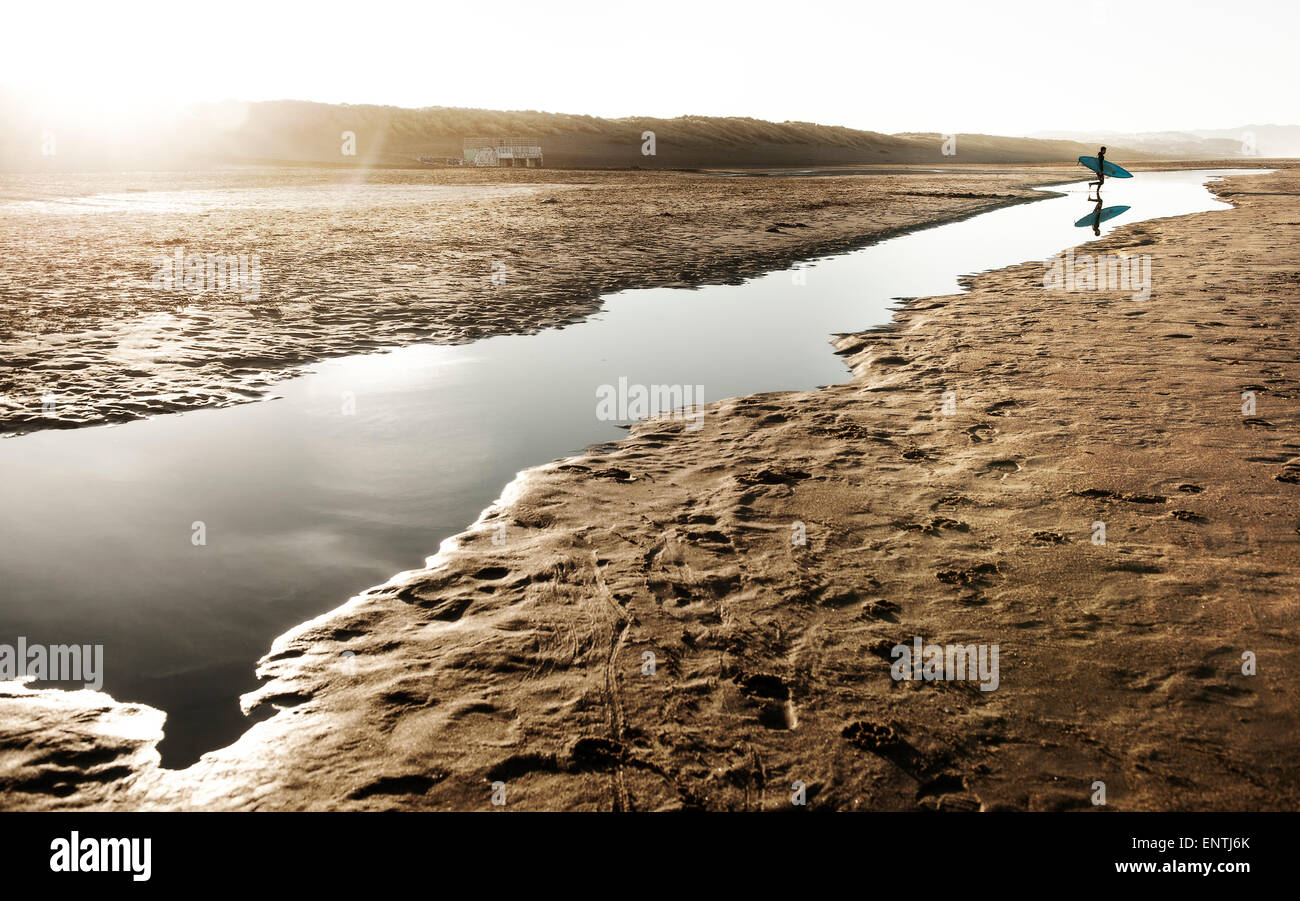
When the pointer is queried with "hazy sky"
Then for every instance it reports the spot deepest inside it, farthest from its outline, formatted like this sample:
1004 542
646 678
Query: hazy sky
1004 68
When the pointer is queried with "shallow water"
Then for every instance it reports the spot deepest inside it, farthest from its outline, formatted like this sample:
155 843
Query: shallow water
305 505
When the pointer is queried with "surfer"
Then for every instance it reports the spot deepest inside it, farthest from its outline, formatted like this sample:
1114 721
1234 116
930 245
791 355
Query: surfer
1096 214
1101 173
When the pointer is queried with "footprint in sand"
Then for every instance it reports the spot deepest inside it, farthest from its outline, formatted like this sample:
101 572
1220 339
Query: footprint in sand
974 575
772 694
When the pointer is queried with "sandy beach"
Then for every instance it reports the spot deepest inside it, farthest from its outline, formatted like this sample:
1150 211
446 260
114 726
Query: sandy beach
472 253
679 649
466 254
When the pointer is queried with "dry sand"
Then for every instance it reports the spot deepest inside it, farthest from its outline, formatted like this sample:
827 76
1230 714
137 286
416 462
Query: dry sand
522 663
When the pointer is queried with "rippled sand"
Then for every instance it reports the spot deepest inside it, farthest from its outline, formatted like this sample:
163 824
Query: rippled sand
524 663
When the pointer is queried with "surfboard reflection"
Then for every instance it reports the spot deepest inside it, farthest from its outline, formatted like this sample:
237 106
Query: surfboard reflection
1100 214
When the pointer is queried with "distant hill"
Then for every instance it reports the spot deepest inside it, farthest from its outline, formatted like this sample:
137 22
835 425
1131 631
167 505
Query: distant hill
1219 143
302 132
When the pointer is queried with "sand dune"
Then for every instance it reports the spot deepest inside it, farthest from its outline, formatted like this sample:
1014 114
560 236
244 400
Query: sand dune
298 131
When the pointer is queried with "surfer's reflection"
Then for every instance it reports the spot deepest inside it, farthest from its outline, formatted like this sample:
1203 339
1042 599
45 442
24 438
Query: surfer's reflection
1096 213
1099 214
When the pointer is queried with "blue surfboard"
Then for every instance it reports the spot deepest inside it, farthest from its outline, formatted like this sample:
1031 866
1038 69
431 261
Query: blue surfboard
1112 171
1109 212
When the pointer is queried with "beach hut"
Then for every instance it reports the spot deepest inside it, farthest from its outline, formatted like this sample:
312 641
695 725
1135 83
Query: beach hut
522 152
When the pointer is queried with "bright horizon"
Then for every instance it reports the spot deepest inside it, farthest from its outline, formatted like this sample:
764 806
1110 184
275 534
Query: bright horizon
953 67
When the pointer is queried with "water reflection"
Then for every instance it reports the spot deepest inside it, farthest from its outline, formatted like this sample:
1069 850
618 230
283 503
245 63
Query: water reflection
1100 214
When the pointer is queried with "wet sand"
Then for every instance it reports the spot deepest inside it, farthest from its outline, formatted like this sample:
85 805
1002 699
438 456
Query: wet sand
347 267
523 661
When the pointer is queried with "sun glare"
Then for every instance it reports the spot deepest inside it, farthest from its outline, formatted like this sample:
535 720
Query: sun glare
95 61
